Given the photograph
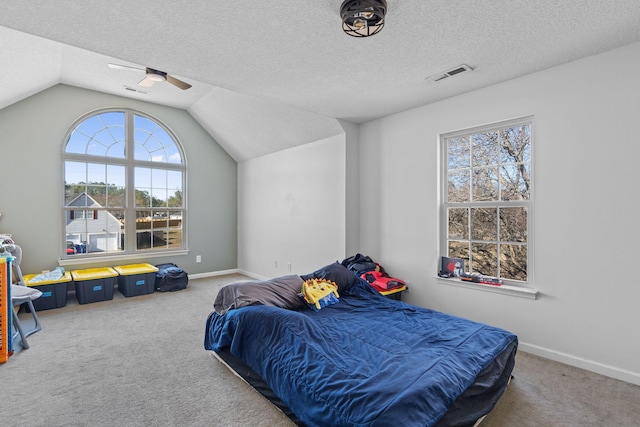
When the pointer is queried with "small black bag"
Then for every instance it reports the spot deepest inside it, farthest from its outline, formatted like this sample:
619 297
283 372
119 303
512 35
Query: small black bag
171 278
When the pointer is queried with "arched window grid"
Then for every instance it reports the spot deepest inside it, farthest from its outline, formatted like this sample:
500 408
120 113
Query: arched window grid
119 147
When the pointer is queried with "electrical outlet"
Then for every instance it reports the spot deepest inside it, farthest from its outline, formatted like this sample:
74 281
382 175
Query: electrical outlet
289 267
275 264
198 258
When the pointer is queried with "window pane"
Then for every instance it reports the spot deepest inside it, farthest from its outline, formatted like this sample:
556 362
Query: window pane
141 153
142 178
484 224
153 230
173 155
116 149
149 143
97 195
158 178
153 143
96 149
96 173
513 224
484 259
159 187
116 175
174 187
165 231
159 197
485 184
116 196
458 223
143 198
154 187
485 149
75 177
99 135
144 239
175 200
77 143
143 229
458 153
516 144
459 250
458 186
175 228
514 182
513 262
75 172
95 230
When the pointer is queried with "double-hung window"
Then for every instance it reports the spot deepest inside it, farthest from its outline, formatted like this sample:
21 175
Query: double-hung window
124 186
486 206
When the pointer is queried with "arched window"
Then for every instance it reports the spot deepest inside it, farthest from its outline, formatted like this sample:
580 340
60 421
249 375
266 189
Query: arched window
124 186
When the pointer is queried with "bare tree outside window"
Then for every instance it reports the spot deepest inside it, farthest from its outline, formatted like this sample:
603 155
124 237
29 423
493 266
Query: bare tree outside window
487 199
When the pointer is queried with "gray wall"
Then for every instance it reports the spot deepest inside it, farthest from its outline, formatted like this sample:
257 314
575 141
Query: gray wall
31 193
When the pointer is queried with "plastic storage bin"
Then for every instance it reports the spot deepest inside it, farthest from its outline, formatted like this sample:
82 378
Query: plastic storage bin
94 284
136 279
394 293
54 292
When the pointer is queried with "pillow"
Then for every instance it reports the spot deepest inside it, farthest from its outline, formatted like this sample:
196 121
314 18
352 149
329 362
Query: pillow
337 273
278 292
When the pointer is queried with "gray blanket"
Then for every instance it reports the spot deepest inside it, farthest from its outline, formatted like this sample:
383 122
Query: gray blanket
279 292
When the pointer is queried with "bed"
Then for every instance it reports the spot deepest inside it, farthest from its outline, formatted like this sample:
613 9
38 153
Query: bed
365 361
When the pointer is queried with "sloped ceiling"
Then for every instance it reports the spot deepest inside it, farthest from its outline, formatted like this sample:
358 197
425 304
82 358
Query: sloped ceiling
273 74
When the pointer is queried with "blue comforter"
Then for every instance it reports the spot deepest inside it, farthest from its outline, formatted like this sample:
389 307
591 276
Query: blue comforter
366 361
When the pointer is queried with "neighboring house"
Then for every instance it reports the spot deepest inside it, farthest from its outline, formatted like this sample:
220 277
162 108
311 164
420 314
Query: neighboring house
96 228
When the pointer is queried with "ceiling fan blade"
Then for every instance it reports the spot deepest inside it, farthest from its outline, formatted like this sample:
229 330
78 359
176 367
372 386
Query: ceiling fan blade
146 82
125 67
178 83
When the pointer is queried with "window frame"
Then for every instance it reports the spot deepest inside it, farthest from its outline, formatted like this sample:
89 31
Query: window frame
444 204
129 163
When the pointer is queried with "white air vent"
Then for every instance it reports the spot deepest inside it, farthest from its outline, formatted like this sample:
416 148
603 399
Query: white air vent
446 74
132 89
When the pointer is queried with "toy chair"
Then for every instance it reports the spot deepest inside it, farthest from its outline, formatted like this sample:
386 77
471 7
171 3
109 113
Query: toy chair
21 294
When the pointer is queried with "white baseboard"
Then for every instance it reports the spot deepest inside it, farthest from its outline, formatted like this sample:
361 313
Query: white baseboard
578 362
568 359
253 275
213 273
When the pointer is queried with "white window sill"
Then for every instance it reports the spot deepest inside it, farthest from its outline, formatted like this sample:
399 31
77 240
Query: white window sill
516 291
113 259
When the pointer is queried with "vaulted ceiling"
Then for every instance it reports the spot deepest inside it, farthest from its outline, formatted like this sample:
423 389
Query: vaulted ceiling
272 74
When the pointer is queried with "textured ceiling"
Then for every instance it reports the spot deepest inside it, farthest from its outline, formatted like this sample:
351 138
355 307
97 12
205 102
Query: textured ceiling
274 74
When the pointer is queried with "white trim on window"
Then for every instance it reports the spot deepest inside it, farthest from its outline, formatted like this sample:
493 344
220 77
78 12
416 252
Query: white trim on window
497 204
114 143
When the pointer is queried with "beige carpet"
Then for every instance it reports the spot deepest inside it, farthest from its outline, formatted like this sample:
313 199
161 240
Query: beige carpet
140 361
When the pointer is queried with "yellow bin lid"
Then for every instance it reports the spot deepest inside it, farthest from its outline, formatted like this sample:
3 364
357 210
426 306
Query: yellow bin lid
93 273
393 291
128 270
27 280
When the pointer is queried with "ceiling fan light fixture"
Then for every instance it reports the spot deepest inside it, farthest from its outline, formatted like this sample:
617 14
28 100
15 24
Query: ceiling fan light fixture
156 76
363 18
152 76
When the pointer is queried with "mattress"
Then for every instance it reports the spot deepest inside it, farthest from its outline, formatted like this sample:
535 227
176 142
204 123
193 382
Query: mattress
369 360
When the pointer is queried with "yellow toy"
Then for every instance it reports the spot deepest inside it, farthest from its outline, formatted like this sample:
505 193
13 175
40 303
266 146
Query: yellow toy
319 293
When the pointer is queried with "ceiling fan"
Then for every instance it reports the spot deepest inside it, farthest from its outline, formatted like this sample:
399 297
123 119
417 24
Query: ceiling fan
153 76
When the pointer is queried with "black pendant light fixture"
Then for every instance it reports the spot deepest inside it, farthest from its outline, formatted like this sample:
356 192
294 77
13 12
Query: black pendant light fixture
363 18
